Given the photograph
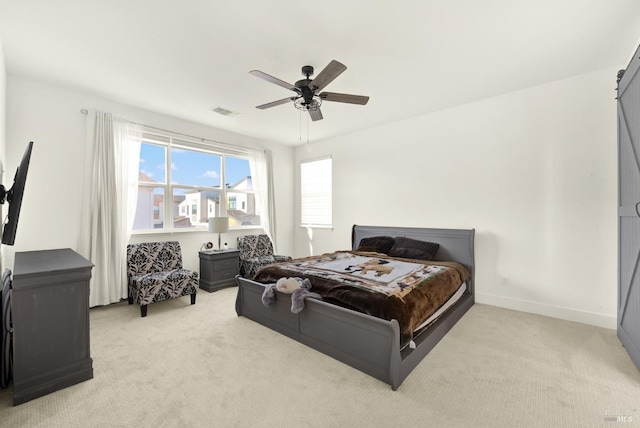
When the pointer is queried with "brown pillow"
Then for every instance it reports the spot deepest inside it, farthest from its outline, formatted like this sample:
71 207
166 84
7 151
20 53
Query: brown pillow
376 244
414 249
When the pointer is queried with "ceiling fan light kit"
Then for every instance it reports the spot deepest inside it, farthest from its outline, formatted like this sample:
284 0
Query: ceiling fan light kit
308 96
302 104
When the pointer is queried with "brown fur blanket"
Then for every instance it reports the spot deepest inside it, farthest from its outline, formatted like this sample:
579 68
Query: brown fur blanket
406 290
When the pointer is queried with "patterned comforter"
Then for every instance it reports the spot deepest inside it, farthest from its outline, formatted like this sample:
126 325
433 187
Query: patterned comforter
406 290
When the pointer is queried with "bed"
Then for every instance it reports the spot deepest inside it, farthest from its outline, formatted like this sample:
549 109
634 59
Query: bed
370 344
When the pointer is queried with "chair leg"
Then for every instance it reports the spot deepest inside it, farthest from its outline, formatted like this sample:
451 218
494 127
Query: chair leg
143 311
130 300
193 298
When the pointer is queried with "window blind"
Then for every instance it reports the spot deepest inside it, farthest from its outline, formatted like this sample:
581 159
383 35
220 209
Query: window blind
315 186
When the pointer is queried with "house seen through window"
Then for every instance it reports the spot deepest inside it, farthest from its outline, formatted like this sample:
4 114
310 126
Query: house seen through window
181 184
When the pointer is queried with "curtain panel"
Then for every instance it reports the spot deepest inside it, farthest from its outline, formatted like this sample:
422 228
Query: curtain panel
261 166
109 199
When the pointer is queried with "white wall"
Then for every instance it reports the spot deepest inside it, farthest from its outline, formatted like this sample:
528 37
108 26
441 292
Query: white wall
3 84
3 177
50 116
534 172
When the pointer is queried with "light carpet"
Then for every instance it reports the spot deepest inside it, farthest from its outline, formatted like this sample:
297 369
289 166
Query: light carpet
203 366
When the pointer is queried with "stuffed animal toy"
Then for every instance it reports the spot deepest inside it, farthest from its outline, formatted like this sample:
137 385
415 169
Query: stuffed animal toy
298 288
290 285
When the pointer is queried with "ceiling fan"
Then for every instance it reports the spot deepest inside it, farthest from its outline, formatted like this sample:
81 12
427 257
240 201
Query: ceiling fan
308 96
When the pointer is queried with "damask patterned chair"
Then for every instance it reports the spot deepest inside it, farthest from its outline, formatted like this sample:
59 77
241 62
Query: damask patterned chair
256 251
155 273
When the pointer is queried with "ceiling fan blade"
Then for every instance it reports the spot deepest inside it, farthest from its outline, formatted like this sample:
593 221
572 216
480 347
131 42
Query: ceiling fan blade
344 98
326 76
275 103
315 114
272 79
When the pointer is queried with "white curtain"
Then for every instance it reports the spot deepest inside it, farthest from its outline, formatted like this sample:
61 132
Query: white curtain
260 163
110 194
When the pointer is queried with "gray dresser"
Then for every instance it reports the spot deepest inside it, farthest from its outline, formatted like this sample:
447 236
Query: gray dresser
50 322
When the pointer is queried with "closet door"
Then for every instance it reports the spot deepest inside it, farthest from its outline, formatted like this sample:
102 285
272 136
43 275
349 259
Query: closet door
629 208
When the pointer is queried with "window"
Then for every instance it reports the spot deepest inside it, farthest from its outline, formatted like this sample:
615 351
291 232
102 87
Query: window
315 187
198 181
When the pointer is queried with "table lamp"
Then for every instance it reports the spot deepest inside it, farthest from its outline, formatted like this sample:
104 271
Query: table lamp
218 225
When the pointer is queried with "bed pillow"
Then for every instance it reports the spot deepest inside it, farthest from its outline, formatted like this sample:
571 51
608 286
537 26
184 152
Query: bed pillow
376 244
413 249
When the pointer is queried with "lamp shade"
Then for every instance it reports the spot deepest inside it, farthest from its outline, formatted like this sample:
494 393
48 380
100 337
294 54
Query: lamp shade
218 224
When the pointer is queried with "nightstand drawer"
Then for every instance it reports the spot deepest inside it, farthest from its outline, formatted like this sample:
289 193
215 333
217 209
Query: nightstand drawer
222 274
228 263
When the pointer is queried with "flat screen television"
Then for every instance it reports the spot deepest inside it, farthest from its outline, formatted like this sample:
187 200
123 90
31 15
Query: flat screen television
14 197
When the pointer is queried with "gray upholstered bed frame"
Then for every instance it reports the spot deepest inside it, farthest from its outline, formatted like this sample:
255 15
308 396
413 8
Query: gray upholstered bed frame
369 344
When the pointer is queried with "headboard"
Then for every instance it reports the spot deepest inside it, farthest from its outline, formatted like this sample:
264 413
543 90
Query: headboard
455 244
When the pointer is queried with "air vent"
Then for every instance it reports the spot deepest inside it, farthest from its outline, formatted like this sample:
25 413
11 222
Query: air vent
225 112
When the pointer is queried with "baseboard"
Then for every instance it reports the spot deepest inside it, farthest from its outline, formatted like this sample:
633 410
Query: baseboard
568 314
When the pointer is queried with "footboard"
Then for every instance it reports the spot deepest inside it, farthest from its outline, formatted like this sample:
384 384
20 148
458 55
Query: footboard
366 343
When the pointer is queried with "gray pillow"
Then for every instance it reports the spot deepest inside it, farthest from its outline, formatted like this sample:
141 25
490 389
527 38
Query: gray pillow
413 249
376 244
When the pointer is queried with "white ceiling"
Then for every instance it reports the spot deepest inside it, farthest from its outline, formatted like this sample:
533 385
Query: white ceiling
182 58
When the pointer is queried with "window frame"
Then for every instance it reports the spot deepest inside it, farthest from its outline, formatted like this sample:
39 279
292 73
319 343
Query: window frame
170 142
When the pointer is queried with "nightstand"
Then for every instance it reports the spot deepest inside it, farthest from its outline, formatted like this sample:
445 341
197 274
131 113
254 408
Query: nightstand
218 269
